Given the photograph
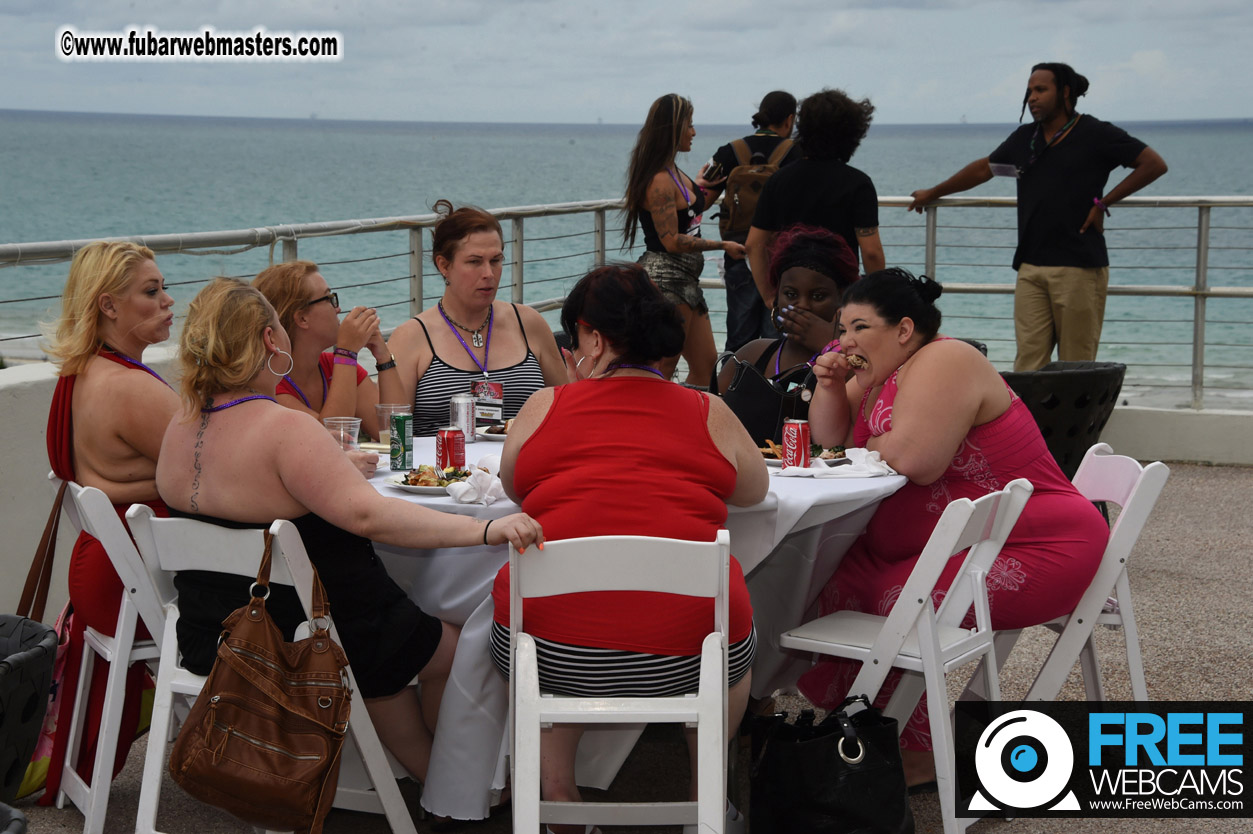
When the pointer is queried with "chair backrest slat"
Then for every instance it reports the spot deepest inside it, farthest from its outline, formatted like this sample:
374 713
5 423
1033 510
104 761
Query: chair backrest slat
623 563
983 526
91 511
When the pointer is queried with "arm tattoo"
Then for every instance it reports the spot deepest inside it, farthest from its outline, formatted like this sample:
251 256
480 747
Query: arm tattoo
196 464
867 231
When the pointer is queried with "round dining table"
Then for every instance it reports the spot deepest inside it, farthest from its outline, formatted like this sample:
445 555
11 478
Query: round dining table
788 545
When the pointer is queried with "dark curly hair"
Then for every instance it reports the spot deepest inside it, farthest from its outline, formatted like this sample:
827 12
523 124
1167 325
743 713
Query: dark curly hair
627 308
832 125
818 249
895 293
1064 78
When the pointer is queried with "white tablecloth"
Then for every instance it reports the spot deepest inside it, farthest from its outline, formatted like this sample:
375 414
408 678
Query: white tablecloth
788 546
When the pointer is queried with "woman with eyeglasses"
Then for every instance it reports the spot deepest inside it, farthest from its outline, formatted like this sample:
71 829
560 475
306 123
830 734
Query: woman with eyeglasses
328 383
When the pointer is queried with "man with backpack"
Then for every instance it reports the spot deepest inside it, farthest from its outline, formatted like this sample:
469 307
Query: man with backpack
741 168
822 189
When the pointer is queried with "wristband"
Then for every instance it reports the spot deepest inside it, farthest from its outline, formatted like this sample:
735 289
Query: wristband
345 360
485 527
386 366
346 353
1096 201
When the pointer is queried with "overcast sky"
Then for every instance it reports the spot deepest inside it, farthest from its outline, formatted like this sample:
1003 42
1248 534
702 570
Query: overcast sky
919 61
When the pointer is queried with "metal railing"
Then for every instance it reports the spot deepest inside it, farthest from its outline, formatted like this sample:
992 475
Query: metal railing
976 247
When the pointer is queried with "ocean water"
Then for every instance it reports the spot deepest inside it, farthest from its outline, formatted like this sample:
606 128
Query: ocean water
76 176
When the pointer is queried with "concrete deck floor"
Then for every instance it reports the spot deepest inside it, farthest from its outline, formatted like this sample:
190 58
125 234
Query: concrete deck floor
1192 576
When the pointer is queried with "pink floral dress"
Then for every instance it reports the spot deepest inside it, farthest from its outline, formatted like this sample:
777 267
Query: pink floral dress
1040 574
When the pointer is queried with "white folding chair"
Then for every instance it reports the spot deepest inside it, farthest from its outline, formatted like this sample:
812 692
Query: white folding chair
178 544
91 511
1102 476
624 563
924 641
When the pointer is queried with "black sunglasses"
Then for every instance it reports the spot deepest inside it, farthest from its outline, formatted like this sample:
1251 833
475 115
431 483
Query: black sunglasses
332 297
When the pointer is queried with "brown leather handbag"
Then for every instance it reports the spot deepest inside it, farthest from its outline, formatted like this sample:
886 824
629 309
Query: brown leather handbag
263 739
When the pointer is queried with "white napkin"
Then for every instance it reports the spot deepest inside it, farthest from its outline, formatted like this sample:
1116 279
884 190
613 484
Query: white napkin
481 487
865 464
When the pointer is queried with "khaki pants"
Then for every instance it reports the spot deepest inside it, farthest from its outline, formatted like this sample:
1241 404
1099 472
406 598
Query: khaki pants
1062 306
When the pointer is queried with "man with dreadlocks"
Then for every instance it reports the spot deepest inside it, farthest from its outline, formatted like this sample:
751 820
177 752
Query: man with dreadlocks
1062 161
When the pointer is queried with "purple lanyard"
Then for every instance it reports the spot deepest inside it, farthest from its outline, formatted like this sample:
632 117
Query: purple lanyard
686 194
305 399
210 409
810 363
487 345
616 365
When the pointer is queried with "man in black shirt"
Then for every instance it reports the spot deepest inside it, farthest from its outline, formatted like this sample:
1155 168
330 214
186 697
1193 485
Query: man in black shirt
748 318
822 189
1062 161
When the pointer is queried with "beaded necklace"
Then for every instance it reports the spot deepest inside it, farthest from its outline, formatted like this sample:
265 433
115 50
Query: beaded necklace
487 347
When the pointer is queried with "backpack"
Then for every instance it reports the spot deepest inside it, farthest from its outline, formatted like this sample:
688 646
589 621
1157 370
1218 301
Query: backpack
743 187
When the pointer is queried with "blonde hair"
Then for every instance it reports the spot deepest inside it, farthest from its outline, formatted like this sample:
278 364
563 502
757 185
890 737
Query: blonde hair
221 346
98 268
282 286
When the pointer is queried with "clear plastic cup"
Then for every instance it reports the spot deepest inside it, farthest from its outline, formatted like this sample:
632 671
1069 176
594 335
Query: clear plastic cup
385 412
345 430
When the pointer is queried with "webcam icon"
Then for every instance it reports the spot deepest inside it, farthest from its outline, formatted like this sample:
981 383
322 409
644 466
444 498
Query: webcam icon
1024 760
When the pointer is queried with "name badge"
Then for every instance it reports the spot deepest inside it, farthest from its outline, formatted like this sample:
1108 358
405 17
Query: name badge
489 401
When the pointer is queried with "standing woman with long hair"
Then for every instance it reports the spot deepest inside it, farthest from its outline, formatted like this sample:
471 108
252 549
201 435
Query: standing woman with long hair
667 204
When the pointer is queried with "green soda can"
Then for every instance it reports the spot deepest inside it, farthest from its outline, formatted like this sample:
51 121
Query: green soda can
402 442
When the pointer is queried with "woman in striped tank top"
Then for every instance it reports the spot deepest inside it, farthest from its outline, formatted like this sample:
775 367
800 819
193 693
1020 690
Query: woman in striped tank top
468 337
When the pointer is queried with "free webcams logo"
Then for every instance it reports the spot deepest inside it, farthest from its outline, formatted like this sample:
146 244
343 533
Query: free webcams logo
1024 760
1103 759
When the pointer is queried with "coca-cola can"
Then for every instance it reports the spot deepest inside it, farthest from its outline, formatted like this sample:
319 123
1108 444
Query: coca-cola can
450 448
796 443
461 414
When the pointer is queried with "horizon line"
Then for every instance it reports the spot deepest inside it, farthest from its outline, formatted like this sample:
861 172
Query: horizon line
313 117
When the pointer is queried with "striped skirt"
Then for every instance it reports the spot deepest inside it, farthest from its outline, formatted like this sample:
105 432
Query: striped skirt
587 672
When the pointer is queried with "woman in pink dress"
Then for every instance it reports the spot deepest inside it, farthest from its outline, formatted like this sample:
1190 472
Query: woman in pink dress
939 413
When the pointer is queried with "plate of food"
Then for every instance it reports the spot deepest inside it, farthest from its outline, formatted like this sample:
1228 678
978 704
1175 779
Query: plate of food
497 432
428 480
398 481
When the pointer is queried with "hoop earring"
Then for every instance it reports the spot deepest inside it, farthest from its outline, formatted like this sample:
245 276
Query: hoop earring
269 363
576 367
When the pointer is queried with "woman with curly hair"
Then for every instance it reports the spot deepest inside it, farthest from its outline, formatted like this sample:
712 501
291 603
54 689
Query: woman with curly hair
822 189
667 204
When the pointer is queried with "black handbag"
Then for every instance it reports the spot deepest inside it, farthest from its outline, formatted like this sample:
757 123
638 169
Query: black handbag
842 776
764 404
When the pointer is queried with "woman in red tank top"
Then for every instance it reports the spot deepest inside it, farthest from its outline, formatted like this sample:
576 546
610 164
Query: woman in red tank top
623 450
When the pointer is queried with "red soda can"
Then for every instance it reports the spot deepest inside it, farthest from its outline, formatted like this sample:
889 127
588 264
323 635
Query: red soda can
450 447
796 443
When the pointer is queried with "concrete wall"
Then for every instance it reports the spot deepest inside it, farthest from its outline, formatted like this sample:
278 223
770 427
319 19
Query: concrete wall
1224 437
25 493
1209 436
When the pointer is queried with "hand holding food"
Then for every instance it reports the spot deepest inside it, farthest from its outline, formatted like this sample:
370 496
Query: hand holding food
831 369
